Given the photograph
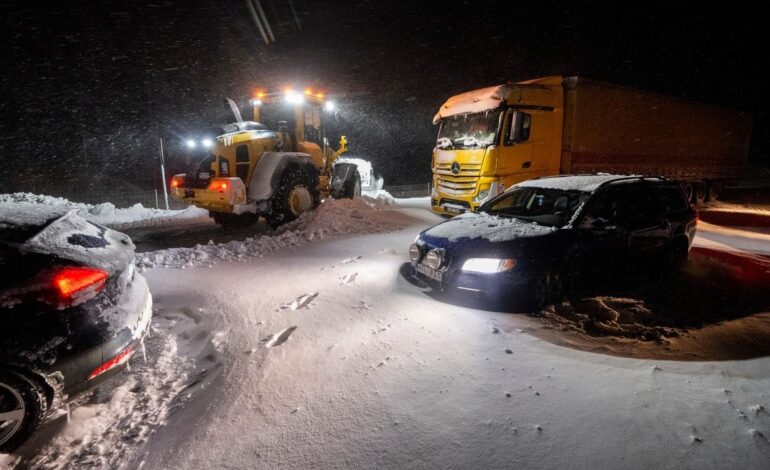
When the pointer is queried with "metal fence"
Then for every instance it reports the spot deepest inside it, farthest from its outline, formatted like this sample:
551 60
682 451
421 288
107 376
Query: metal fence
154 199
409 190
147 198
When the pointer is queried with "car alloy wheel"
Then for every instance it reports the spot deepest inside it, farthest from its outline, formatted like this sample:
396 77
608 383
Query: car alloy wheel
12 412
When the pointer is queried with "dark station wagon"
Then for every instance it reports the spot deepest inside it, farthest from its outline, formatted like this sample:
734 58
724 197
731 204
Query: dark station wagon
542 236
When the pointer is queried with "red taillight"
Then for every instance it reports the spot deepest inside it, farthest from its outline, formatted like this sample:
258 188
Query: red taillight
177 181
218 185
73 280
697 217
122 357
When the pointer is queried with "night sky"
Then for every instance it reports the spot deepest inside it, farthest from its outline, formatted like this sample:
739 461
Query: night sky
89 88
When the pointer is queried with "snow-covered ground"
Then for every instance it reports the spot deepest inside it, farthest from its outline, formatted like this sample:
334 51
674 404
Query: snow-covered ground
307 348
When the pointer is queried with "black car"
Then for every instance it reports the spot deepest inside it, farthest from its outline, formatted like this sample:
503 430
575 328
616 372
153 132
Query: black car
540 236
72 312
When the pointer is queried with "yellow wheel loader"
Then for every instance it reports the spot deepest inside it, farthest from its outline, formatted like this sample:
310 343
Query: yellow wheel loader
277 166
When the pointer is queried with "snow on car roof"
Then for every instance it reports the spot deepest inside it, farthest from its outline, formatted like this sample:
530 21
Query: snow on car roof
474 101
587 183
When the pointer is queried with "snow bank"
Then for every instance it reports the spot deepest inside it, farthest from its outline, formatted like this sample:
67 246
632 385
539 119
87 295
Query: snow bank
34 209
333 218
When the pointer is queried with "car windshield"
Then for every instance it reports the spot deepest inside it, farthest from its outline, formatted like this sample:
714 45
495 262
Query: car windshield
468 131
550 207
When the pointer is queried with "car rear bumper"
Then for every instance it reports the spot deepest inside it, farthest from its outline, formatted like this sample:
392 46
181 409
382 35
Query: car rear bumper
68 367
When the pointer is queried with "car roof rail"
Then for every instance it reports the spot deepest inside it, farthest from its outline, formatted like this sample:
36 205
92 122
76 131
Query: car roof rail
635 177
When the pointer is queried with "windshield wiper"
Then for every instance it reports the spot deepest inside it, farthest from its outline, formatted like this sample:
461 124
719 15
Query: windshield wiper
444 143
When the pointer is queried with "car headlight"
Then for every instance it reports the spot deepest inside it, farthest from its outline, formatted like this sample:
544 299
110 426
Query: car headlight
415 252
488 265
433 259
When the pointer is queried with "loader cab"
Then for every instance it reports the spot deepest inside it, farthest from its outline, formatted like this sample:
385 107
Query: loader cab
299 120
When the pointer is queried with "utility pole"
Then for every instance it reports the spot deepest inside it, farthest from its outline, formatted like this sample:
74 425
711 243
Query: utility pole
255 17
262 15
163 174
296 17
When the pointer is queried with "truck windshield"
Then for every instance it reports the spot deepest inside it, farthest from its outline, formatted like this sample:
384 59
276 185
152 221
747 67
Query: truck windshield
468 131
550 207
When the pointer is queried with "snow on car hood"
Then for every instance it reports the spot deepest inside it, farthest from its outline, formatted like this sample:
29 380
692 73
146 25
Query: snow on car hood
74 238
489 227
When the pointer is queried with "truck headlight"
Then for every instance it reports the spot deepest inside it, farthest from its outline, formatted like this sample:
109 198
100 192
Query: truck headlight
434 258
482 195
488 265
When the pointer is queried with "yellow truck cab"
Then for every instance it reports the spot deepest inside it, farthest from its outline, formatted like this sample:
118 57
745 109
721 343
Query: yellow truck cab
492 138
485 142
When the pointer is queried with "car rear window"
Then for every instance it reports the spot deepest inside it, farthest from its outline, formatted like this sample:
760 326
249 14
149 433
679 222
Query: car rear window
671 199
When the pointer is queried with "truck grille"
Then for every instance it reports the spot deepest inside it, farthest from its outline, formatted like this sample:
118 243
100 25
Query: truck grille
466 169
462 183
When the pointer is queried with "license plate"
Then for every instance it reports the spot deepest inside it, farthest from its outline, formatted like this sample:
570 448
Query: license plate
430 272
453 210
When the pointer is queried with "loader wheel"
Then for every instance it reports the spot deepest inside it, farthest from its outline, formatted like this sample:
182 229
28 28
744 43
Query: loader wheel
345 181
296 194
22 408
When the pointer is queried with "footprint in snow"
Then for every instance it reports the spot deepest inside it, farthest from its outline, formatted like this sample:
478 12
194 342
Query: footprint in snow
301 302
761 441
349 278
352 260
280 338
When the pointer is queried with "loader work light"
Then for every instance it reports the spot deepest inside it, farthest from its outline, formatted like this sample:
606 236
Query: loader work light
292 97
329 106
191 143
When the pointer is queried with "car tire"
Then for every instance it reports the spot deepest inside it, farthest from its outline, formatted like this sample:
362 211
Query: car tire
676 256
547 289
19 398
296 195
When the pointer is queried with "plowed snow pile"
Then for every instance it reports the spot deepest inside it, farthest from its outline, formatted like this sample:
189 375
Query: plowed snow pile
28 208
333 218
610 316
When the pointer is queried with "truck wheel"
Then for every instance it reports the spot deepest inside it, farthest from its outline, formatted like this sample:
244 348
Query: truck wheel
689 192
22 408
354 190
713 190
700 193
296 195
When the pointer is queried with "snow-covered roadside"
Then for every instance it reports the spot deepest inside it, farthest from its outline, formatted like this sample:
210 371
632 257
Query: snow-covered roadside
19 207
333 360
332 218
